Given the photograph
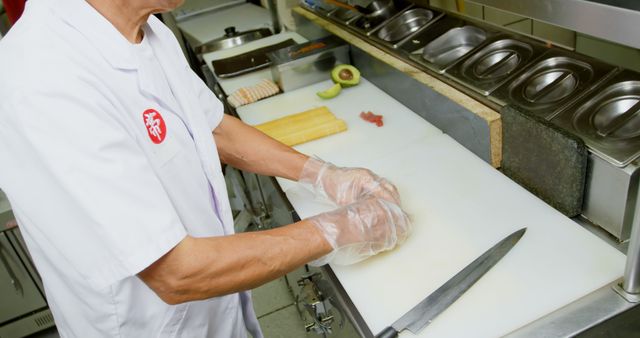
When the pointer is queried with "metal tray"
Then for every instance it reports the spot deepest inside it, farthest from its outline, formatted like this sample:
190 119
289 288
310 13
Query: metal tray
557 79
444 51
609 121
368 24
415 44
405 24
495 63
344 15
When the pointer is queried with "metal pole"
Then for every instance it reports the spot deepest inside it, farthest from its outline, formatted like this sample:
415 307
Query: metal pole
275 20
631 283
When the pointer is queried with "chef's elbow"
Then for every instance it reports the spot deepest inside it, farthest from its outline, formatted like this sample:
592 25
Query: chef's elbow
169 289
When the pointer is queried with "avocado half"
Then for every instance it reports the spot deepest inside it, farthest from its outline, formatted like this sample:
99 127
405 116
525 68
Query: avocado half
345 75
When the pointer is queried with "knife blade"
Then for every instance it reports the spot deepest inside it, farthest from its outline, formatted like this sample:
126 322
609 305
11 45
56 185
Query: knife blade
429 308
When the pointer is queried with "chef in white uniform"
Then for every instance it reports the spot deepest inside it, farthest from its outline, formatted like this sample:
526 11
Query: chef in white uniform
110 151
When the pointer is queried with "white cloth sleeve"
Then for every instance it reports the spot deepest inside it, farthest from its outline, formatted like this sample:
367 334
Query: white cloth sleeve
213 108
84 186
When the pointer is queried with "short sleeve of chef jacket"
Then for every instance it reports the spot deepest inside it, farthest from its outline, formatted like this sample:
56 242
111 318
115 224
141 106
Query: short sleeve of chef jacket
93 195
213 108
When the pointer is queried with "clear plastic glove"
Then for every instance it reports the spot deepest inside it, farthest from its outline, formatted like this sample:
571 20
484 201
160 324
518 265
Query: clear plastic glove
346 185
361 230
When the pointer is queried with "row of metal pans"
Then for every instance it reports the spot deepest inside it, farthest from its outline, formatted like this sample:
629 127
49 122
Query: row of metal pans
594 100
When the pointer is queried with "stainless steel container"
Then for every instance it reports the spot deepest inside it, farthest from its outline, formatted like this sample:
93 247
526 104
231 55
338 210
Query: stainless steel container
496 63
608 122
301 65
558 79
444 51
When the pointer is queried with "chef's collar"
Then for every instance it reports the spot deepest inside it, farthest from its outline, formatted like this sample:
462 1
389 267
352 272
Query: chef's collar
115 48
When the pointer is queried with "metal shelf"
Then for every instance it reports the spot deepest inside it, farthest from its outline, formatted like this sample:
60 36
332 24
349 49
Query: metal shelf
613 20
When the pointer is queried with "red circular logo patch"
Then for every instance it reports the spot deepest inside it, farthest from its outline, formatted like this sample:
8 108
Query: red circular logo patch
156 128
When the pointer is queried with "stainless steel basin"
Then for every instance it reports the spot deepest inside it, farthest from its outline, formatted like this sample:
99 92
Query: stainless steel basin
232 39
609 121
495 63
405 24
452 45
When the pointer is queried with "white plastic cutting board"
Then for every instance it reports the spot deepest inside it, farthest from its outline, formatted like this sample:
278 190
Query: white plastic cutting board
460 207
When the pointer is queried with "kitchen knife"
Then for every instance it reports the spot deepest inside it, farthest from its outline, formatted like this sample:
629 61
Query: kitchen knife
429 308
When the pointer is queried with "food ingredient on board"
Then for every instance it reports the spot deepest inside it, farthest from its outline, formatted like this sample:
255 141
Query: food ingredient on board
345 75
252 94
331 92
303 127
373 118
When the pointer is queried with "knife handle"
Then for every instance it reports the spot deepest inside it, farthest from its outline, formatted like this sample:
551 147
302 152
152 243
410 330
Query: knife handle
388 332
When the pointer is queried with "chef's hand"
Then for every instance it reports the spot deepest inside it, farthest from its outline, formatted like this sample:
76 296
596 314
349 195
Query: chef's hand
346 185
362 229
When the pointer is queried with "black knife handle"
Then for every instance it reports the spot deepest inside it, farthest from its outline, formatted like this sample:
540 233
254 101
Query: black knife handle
388 332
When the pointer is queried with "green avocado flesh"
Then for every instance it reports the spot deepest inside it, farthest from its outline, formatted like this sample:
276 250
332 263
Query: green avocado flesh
346 75
331 92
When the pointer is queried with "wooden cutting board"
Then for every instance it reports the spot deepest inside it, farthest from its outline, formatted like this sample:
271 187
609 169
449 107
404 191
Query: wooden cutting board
460 207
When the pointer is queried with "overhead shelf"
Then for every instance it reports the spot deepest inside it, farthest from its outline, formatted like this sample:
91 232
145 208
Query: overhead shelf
612 20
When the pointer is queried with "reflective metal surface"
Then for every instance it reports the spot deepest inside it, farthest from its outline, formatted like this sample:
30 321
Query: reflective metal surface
495 63
609 121
405 24
232 39
422 37
344 15
631 283
381 12
613 20
557 79
454 44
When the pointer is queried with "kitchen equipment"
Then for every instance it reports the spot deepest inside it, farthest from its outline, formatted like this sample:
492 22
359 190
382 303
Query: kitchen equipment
548 161
429 308
378 12
496 62
231 39
23 309
196 7
344 15
444 51
405 24
558 78
417 42
247 62
307 63
606 119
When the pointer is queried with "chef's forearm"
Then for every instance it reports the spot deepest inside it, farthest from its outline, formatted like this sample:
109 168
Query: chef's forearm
201 268
246 148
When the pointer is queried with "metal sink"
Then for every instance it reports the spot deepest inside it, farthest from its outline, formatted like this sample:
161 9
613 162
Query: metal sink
231 39
609 121
555 81
405 24
444 51
495 63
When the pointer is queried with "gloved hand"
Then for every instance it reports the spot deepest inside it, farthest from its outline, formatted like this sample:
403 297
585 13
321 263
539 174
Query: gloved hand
361 230
346 185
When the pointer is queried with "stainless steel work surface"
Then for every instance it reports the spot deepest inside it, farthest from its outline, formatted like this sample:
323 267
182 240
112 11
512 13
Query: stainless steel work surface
405 24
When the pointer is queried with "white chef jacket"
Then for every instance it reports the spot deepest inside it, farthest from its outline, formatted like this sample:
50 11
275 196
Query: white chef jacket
107 158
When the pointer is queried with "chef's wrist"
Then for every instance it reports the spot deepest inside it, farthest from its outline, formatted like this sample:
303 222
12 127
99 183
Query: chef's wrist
311 171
